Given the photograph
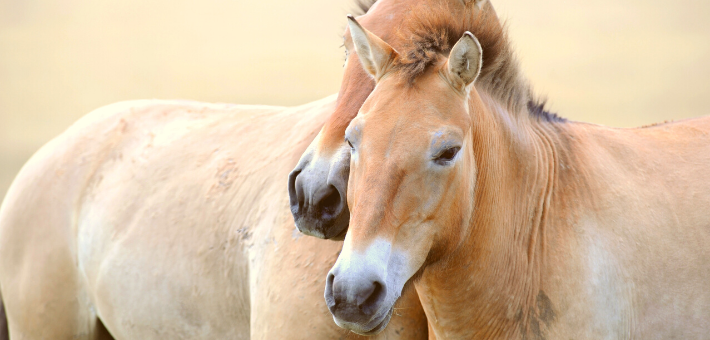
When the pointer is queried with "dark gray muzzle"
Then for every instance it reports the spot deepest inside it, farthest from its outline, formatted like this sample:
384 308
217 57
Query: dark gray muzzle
317 192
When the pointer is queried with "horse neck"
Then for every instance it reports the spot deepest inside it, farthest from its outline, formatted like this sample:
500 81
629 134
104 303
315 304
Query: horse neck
490 285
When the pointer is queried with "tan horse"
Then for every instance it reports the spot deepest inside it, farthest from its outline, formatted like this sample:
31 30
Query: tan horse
318 184
168 220
510 222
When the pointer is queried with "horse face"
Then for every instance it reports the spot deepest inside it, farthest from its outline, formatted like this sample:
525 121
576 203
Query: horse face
318 184
411 180
317 189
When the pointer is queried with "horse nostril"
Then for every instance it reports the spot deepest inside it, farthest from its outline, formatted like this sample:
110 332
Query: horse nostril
295 193
318 208
329 203
330 300
374 299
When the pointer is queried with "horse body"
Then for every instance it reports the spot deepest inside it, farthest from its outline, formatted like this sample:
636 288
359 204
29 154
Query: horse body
163 219
510 222
641 226
583 232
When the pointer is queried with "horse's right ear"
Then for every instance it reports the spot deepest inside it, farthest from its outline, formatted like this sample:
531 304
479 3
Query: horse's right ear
478 3
374 54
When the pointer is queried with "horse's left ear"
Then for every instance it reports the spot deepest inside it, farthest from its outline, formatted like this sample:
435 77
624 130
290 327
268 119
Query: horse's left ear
374 54
478 3
465 61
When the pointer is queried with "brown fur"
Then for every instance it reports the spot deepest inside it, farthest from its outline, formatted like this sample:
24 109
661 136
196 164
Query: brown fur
431 30
357 85
385 20
537 230
202 195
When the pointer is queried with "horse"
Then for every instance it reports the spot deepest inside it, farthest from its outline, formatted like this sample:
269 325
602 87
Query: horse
166 220
318 184
265 266
509 221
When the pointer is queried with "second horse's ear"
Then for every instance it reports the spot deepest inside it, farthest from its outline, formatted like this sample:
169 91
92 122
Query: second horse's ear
478 3
464 62
374 54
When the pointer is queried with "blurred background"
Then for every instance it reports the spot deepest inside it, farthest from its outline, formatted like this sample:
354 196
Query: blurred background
620 63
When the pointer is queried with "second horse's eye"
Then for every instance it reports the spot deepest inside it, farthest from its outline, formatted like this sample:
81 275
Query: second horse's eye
350 144
447 155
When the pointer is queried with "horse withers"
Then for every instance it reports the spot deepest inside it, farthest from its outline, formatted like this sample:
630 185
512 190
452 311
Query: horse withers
509 221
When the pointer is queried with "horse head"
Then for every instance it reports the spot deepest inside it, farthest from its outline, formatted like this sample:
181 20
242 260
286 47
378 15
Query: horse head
412 176
318 184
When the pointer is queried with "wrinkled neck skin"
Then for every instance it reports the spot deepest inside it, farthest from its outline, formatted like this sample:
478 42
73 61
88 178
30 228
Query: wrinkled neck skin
491 285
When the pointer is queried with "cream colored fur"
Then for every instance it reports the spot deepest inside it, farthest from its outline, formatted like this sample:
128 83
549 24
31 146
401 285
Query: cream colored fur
168 220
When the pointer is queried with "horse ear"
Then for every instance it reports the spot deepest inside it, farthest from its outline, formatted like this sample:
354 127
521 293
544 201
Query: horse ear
465 61
374 54
478 3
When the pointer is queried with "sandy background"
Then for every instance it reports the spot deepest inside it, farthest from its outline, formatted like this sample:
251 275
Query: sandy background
620 63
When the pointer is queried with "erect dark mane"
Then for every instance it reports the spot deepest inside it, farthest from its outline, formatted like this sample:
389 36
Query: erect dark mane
362 6
430 32
537 108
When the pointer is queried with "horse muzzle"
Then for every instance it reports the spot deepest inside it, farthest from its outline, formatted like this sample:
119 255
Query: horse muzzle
358 302
317 193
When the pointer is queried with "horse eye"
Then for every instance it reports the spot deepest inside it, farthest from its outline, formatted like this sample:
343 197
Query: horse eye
350 144
447 155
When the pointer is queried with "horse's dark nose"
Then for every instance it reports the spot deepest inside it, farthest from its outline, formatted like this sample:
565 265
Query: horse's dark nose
317 204
356 299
